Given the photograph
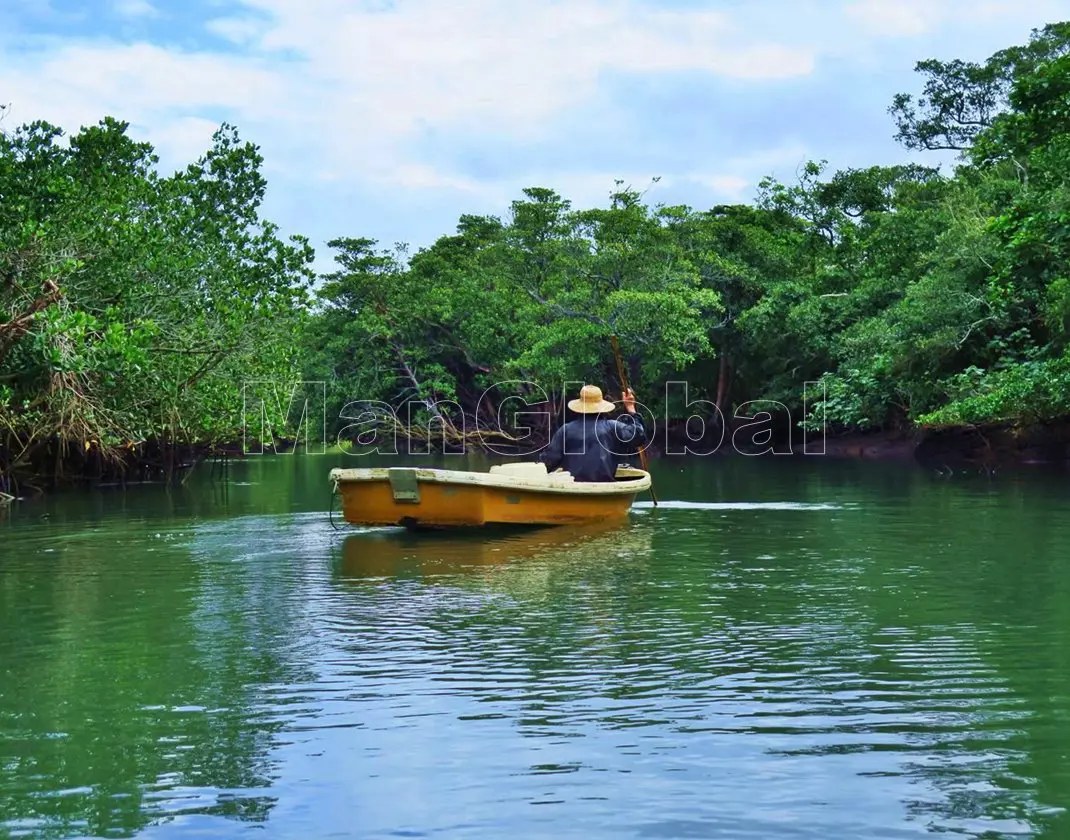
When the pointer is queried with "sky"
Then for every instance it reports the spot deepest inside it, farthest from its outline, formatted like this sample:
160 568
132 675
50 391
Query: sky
390 118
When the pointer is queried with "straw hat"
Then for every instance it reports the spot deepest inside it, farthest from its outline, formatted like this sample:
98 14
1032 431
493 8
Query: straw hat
590 401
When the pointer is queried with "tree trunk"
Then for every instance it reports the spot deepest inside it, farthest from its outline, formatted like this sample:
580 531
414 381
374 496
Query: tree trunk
723 376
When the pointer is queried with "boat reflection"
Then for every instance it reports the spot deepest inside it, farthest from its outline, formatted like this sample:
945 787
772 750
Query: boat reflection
393 553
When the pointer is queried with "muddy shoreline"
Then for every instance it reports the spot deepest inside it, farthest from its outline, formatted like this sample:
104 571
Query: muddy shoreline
986 449
969 448
981 448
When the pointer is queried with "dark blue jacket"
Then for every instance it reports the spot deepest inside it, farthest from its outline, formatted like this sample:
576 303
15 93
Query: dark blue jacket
592 446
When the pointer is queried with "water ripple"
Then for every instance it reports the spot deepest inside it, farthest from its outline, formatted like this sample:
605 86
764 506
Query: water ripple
751 674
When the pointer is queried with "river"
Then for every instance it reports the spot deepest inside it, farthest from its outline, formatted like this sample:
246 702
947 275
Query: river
784 648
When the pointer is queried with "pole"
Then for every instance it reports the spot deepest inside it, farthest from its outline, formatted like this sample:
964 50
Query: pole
624 387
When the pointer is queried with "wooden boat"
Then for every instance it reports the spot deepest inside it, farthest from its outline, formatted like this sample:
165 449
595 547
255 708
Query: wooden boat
509 494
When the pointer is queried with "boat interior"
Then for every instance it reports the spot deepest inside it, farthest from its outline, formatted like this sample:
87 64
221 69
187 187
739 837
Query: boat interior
536 470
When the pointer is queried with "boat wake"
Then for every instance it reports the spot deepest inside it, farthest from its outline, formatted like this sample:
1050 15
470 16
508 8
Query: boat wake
671 505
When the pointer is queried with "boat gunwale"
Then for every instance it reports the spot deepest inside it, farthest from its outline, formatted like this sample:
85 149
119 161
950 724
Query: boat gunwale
565 484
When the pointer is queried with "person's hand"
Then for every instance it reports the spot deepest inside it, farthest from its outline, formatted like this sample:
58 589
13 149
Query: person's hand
628 399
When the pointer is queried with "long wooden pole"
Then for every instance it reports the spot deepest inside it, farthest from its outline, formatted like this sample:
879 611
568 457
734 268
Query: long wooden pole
624 387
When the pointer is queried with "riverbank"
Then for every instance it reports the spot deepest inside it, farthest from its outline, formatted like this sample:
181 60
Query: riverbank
984 448
61 465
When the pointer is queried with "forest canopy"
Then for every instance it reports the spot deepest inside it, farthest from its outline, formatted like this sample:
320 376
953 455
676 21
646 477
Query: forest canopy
132 305
916 297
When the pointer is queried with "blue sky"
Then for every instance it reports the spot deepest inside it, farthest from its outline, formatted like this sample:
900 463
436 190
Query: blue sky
390 118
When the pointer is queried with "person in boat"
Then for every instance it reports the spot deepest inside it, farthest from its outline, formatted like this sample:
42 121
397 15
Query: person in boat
592 445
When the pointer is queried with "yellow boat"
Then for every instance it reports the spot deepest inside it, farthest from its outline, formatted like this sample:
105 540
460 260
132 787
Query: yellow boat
509 494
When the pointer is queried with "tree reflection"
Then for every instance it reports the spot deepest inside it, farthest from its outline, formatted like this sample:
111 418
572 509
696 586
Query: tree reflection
134 686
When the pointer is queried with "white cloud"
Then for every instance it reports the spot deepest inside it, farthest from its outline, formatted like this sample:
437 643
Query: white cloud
731 187
240 30
896 17
135 8
422 177
161 92
476 63
180 141
733 178
793 154
343 95
351 86
913 18
555 45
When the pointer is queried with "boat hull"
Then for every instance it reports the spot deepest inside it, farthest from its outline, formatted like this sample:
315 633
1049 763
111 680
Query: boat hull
425 498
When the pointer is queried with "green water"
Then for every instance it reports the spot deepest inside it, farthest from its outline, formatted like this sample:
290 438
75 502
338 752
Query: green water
783 649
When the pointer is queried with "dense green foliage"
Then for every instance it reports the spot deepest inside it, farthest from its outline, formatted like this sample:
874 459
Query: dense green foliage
133 306
914 296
